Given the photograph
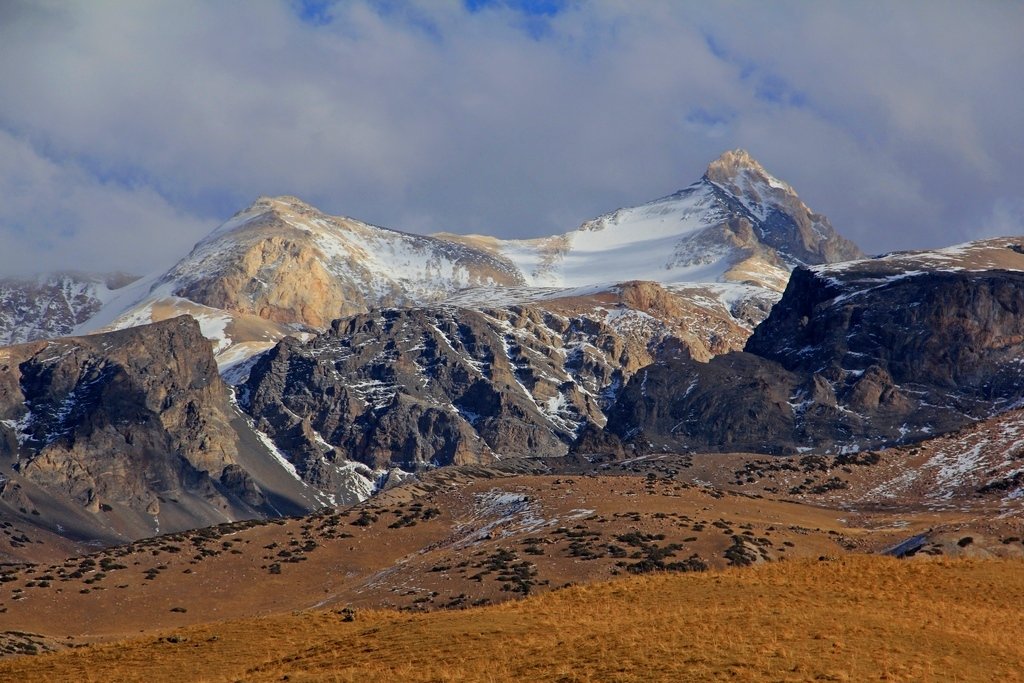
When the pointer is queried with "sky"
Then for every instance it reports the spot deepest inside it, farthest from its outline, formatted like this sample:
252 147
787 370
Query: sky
129 130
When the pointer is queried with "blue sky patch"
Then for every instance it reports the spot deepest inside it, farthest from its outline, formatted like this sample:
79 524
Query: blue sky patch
315 12
533 8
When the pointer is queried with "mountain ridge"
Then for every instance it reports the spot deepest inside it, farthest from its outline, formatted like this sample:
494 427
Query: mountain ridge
281 267
862 354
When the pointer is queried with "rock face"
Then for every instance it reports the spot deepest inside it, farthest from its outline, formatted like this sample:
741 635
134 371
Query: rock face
52 305
781 221
858 355
434 386
133 426
438 386
282 260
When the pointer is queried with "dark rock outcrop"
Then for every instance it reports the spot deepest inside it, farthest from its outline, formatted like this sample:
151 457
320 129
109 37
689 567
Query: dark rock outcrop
437 386
134 425
855 356
955 331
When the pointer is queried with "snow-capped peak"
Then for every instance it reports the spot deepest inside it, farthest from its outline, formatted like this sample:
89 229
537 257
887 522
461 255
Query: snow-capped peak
281 266
738 223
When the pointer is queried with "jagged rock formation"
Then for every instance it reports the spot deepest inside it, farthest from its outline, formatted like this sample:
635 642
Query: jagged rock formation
781 221
52 305
134 427
437 386
411 388
858 355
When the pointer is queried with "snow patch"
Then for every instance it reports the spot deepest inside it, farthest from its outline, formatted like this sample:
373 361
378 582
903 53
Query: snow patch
500 514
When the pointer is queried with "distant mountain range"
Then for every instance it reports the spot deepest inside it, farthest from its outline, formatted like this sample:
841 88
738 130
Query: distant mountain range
281 266
347 357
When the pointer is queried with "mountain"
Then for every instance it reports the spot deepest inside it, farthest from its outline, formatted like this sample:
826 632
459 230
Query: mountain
863 354
282 267
52 305
471 349
283 260
120 435
738 223
443 351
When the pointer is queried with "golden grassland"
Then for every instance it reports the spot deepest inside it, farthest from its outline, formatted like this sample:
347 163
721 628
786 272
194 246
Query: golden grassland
854 618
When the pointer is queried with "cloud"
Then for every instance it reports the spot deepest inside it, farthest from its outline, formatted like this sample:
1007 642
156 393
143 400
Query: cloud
57 216
151 121
1006 218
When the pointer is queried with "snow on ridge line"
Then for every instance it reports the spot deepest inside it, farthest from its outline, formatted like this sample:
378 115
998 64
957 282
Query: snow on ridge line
973 256
646 242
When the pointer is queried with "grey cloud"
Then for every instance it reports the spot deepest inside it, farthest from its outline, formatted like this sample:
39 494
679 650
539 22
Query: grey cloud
152 121
56 216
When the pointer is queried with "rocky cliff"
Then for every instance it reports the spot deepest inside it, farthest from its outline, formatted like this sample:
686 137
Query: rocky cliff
419 387
434 386
133 427
859 355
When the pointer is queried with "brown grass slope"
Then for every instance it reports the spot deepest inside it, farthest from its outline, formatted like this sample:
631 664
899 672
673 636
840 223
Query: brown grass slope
411 547
858 618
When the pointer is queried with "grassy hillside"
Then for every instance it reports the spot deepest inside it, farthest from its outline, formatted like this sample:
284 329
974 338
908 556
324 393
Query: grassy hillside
856 618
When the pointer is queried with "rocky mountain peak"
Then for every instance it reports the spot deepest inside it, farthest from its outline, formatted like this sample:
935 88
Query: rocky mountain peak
784 222
287 200
282 205
735 164
281 211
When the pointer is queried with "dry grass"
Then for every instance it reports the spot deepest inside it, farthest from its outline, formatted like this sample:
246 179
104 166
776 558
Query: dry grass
858 618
